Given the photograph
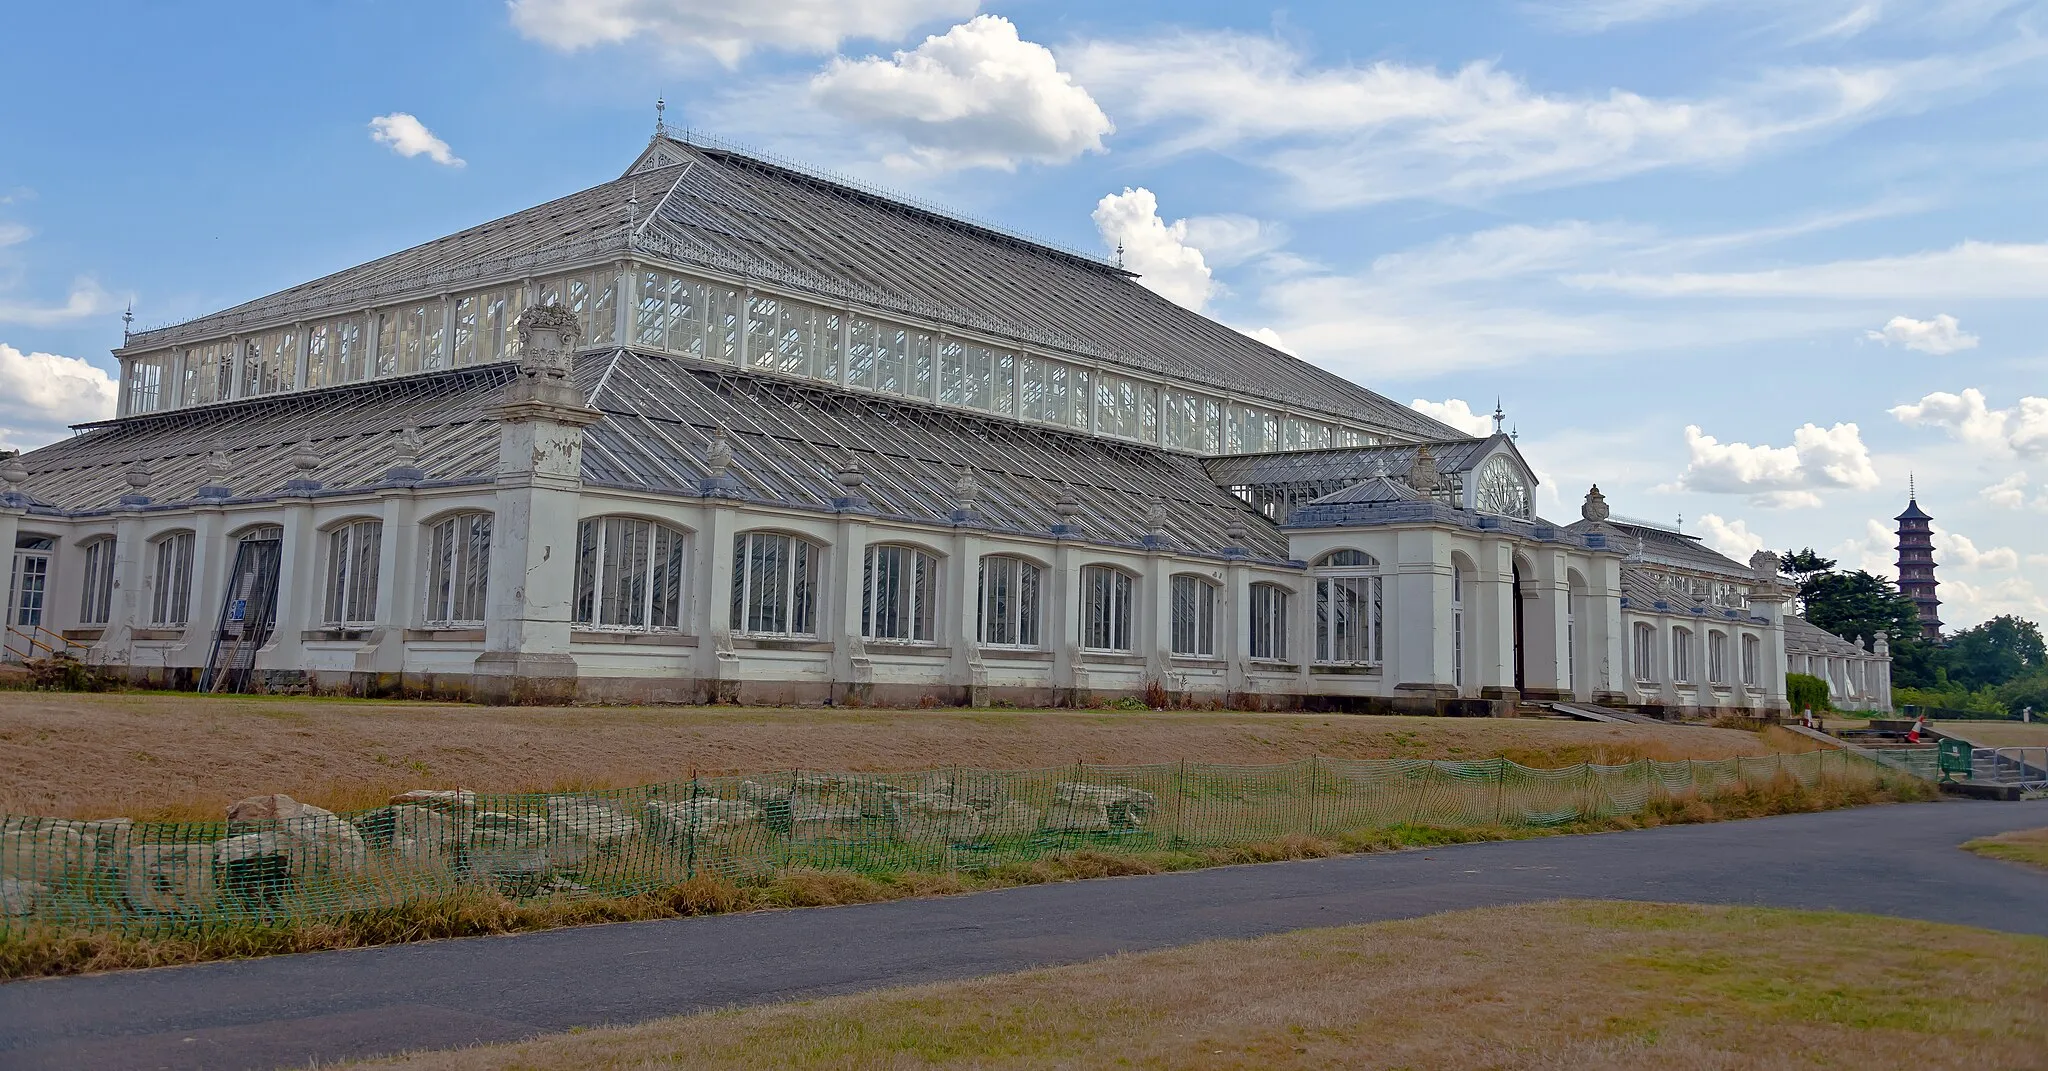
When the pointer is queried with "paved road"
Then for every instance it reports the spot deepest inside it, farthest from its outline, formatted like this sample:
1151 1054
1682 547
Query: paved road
292 1010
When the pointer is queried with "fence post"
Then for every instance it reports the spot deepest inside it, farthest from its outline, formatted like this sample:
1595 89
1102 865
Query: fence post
1315 821
690 858
1500 793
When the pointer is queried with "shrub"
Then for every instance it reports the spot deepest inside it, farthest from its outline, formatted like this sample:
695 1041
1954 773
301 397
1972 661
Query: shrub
1805 691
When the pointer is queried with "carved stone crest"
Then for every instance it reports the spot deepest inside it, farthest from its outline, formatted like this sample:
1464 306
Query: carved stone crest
547 341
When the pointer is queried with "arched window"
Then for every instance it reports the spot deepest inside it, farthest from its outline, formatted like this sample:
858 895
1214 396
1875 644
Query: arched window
629 575
1681 655
899 594
458 570
775 584
1008 615
29 584
1752 659
1106 598
96 601
1194 617
352 551
1457 625
1717 658
1348 608
1646 651
171 604
1501 489
1269 622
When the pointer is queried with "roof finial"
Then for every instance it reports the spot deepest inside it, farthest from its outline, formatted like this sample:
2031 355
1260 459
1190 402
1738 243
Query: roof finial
660 118
1500 415
128 321
1912 490
1119 252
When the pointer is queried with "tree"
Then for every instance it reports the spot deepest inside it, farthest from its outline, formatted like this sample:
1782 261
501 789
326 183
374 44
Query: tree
2000 650
1859 606
1801 564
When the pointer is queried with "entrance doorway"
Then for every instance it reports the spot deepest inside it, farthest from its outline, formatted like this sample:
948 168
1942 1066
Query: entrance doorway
1519 667
248 611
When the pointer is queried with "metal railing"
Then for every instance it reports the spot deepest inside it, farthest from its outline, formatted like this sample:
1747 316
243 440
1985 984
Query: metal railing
2025 767
28 642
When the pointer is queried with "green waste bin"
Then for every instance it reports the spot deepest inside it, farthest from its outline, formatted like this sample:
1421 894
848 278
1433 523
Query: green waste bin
1953 759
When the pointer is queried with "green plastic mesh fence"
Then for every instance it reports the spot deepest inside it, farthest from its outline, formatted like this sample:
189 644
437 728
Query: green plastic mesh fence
309 864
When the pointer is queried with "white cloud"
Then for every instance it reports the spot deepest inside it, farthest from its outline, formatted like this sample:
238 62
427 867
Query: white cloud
2021 429
1270 337
726 30
1732 538
2009 493
1356 135
1804 21
1965 604
975 96
1876 552
13 233
1781 477
409 137
1158 251
1456 413
85 300
1969 270
1231 239
1957 550
1941 335
41 394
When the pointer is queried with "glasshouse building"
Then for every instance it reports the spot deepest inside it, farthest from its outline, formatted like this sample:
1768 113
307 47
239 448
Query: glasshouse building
727 430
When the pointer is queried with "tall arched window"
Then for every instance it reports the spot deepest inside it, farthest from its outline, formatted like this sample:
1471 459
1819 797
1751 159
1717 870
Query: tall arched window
1457 625
352 557
899 594
1106 601
1348 608
1194 617
96 602
629 575
1717 658
1269 622
1645 651
170 605
1752 661
458 570
775 584
1681 655
1009 607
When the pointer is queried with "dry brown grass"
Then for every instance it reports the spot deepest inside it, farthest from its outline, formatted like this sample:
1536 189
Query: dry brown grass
2029 846
41 951
1559 985
1998 733
175 757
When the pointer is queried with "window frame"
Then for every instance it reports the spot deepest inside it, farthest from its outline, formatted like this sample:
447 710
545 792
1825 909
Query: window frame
1192 616
1717 658
801 574
1681 655
171 557
657 579
1644 652
96 584
1018 608
1268 625
1752 661
1120 590
457 575
1337 570
347 585
912 577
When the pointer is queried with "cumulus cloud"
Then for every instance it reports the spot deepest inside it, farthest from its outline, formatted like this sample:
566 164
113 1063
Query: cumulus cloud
1351 135
1782 477
12 233
409 137
1938 336
1965 603
85 300
41 394
1270 337
727 31
2009 493
1456 413
2020 429
1157 250
1876 552
974 96
1960 551
1732 538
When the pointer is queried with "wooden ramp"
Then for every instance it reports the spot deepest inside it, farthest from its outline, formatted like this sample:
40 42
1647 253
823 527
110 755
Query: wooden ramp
1591 712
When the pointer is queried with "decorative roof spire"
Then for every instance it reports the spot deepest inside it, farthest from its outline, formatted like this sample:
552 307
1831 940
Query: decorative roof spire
660 117
128 322
1500 415
1912 489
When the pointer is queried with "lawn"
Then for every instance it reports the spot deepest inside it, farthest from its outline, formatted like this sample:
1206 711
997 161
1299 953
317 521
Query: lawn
1558 985
2028 846
1998 733
178 757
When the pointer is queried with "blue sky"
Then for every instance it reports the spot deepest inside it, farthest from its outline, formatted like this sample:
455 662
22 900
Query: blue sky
1748 261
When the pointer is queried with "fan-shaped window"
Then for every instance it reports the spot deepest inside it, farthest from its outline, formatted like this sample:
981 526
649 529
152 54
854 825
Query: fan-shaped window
458 570
775 581
171 602
1009 606
1107 596
1349 609
1194 617
629 574
899 594
1501 488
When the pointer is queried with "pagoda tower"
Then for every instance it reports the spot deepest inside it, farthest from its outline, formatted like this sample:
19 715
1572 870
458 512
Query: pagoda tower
1916 564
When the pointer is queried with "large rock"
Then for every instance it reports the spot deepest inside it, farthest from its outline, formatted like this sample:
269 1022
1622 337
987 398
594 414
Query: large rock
425 837
256 869
18 898
1008 818
47 851
936 817
317 841
705 820
1085 808
581 826
510 850
169 879
836 808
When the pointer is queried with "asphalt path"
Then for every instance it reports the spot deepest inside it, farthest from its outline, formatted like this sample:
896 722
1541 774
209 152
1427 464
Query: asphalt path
296 1010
